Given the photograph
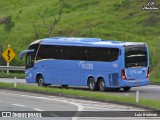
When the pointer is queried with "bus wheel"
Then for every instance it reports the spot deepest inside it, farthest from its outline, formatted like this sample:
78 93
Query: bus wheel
92 84
126 89
64 86
101 85
40 81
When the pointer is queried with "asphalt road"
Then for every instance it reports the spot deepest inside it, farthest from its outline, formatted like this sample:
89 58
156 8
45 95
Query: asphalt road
149 92
23 101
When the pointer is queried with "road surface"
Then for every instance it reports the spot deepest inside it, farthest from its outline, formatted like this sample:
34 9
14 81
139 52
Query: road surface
23 101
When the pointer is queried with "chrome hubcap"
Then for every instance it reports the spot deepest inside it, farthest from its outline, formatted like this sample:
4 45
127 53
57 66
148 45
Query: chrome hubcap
101 86
91 84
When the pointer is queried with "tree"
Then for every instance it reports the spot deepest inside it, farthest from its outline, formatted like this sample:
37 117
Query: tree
55 19
8 23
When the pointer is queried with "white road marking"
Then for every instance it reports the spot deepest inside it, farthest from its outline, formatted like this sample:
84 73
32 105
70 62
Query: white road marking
75 117
18 105
83 105
37 109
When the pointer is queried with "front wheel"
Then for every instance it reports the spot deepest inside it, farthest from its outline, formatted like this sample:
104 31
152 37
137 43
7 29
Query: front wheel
41 81
92 84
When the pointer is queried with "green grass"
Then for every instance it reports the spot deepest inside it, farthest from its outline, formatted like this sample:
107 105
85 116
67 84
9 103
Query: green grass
122 20
12 75
86 94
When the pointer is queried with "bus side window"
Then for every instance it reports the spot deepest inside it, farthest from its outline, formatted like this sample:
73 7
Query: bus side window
85 54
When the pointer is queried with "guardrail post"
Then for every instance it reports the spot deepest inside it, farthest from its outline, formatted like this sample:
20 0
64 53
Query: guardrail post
137 96
15 84
7 66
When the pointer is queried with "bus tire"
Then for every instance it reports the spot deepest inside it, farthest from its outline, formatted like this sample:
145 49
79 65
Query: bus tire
101 85
40 81
92 84
126 89
64 86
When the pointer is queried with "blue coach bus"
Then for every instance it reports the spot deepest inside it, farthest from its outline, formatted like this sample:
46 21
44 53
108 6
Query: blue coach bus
98 64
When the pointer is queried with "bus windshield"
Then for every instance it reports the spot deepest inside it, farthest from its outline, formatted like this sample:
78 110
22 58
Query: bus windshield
136 56
30 57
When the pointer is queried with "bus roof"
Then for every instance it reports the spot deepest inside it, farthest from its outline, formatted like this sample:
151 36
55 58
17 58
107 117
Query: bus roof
84 42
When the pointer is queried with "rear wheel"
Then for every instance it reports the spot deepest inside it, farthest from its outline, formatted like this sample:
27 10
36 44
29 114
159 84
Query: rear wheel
40 81
92 84
126 89
64 86
116 89
101 85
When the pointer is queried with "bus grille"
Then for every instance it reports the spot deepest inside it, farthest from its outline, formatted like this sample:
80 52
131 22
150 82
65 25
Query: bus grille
113 79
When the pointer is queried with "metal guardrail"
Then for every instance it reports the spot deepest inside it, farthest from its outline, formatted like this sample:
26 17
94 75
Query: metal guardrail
17 68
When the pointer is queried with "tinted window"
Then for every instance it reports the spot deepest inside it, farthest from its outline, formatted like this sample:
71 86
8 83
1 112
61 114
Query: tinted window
29 60
135 55
77 53
30 57
108 54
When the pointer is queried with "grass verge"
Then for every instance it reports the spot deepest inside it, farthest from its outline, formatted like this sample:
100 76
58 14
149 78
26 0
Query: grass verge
87 94
155 81
12 75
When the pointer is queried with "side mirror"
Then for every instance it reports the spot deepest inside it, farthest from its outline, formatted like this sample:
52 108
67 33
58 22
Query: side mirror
25 52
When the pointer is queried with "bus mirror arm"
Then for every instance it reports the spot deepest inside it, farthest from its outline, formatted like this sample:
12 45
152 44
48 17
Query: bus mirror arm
25 52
